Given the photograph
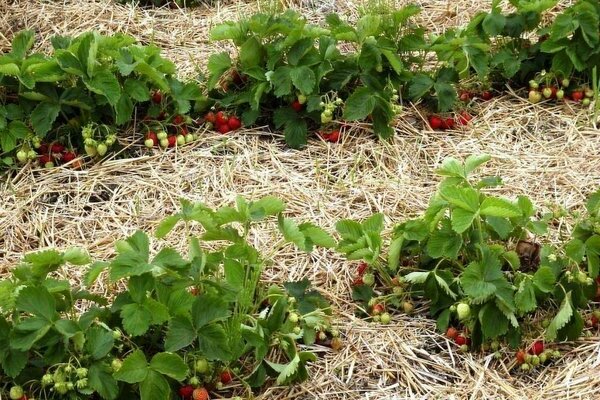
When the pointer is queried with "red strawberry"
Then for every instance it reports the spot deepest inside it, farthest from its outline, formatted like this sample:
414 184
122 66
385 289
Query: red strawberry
577 95
161 116
452 333
210 117
183 130
57 148
486 95
234 123
537 348
594 320
461 340
333 136
464 118
152 135
520 356
358 281
157 97
186 391
297 106
448 123
44 158
435 122
226 377
69 156
43 149
172 140
464 96
221 118
178 120
362 267
224 128
200 394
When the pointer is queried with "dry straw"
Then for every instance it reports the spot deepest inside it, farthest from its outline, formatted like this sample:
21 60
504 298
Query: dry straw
547 152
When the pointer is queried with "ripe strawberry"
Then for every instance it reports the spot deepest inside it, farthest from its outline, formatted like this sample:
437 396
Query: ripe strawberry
334 136
452 333
186 391
178 120
362 267
594 320
464 96
200 394
486 95
210 117
43 149
234 123
223 128
577 95
297 106
520 356
537 348
448 123
221 118
226 377
157 97
183 130
460 340
172 140
435 122
358 281
57 148
69 156
152 135
44 159
464 117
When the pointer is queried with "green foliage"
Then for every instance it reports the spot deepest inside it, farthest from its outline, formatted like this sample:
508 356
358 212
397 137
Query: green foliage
176 309
474 247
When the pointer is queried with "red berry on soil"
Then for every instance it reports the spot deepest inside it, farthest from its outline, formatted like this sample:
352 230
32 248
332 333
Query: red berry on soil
486 95
221 118
537 348
435 122
152 135
69 156
178 120
362 267
57 148
577 95
210 117
234 123
594 320
223 128
44 158
358 281
296 106
448 123
157 97
333 136
226 377
460 340
172 140
520 356
464 118
200 394
43 149
451 333
465 96
186 391
183 130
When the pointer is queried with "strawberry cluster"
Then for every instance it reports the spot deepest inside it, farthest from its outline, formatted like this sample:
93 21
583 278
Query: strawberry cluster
222 122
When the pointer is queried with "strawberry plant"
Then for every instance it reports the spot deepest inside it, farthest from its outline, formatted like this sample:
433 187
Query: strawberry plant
475 259
188 323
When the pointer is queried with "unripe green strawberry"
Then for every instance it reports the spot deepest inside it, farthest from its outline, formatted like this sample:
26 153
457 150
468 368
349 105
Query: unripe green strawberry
535 96
589 93
180 140
586 102
560 94
189 138
301 99
202 366
497 355
90 150
385 318
547 92
533 84
101 149
525 367
408 307
22 156
32 155
495 345
47 380
535 360
164 143
565 83
194 381
398 290
293 317
116 364
149 143
81 372
49 164
463 310
16 392
161 135
297 330
543 358
464 348
369 279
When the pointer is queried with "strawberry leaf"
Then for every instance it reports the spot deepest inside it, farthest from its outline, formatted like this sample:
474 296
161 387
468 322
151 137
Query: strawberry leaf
497 207
561 319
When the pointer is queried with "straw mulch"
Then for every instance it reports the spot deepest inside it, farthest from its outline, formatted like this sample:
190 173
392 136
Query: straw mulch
547 152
